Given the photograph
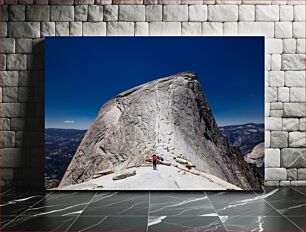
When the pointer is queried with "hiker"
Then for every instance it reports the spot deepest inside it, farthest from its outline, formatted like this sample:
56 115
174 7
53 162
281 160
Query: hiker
154 161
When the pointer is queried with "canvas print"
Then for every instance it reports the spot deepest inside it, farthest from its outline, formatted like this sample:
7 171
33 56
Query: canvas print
154 113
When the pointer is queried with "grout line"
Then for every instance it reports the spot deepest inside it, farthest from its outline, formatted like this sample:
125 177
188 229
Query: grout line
9 190
283 215
25 211
297 190
149 211
82 211
215 210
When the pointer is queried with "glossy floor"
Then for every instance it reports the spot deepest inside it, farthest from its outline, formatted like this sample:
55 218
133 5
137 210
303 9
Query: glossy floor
275 210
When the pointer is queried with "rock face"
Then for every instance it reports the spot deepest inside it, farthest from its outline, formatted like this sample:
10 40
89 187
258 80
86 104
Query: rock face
245 136
256 156
169 117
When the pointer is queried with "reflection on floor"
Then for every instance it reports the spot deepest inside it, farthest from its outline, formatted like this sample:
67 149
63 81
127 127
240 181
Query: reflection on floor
276 209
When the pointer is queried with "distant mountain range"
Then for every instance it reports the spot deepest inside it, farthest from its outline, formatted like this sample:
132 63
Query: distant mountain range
250 139
61 145
245 136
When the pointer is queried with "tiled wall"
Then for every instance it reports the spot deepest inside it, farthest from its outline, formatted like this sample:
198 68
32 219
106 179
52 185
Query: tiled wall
24 24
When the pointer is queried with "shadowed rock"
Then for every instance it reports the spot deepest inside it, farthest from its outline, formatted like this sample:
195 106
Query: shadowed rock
170 117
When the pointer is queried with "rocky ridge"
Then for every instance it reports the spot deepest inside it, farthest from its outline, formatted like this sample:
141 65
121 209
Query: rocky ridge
170 117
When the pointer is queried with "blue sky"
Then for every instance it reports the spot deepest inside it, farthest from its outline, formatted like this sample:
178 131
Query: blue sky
82 73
